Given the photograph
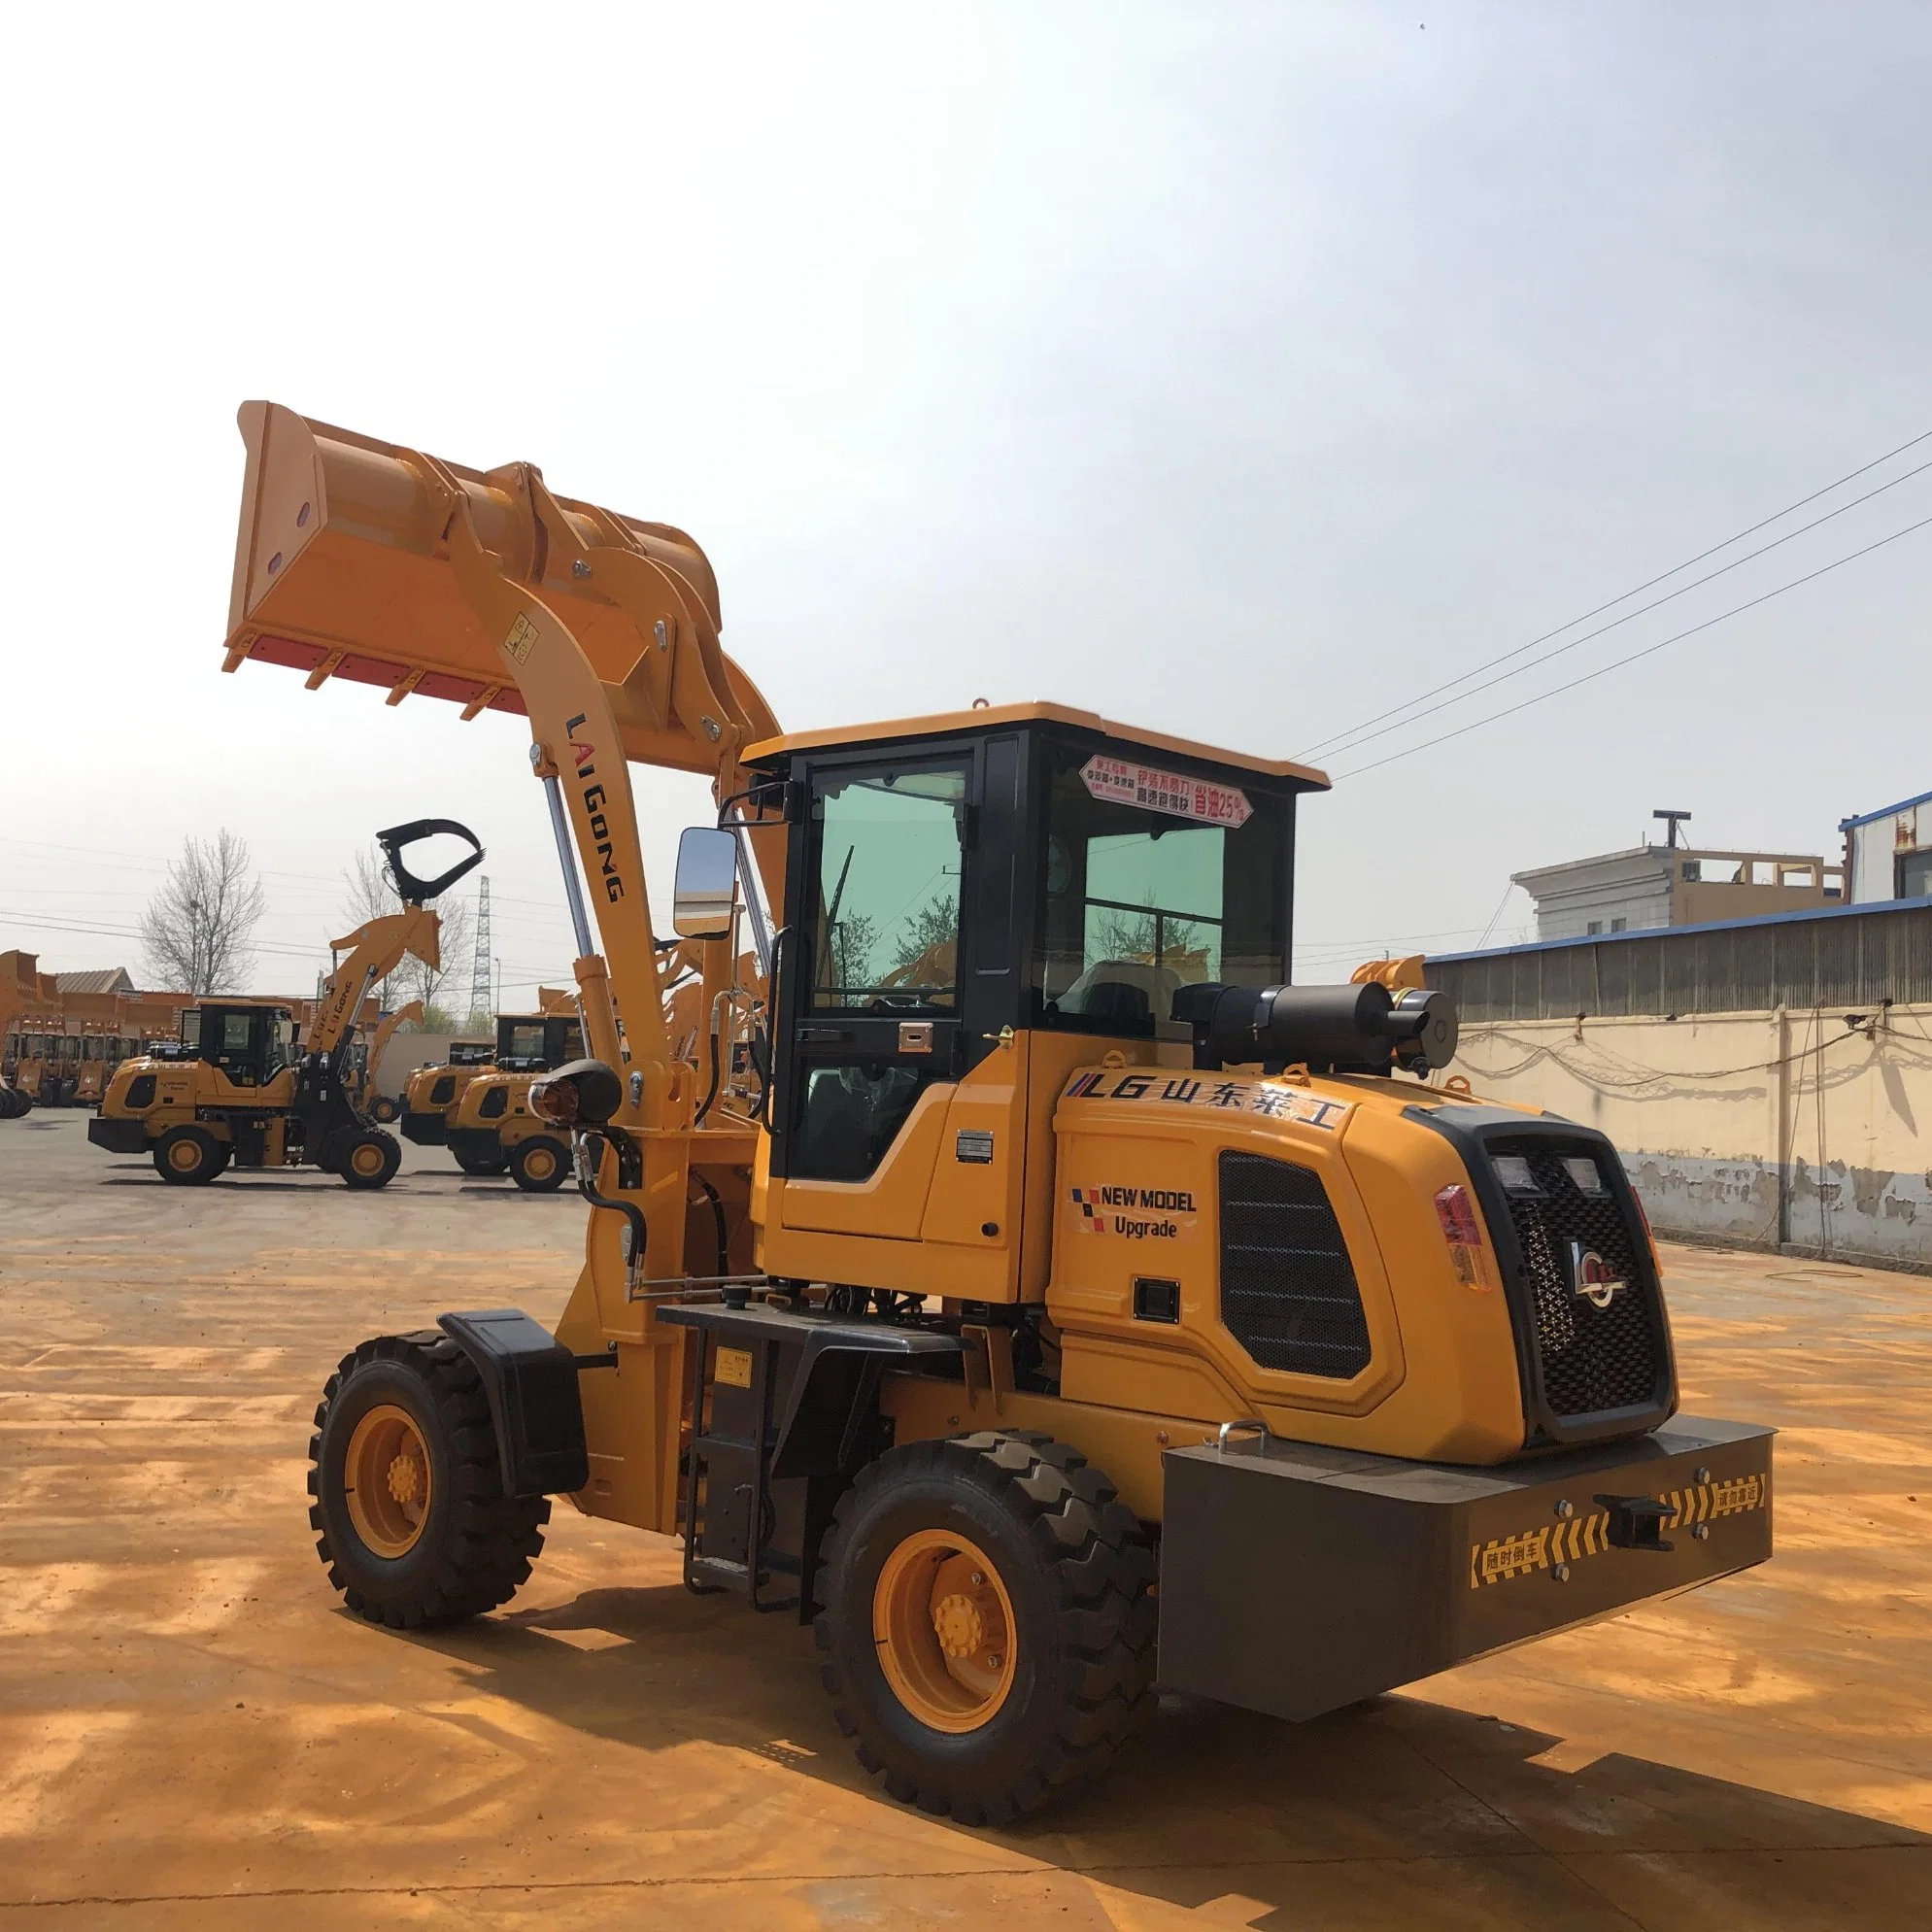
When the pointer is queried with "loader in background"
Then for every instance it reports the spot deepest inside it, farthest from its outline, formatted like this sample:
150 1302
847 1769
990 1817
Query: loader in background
28 999
239 1091
1076 1305
526 1045
365 1062
491 1128
430 1095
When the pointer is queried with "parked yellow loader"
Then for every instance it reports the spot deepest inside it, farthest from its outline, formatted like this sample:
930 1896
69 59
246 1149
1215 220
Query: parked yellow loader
431 1093
1076 1305
366 1061
238 1089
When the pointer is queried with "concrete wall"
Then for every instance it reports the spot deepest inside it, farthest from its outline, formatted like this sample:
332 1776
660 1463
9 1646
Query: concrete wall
1785 1130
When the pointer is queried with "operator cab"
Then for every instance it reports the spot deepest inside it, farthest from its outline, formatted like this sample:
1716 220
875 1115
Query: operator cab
250 1044
535 1042
470 1053
957 881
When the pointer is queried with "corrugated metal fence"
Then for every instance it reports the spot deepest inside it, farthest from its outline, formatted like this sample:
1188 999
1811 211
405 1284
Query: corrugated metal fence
1851 957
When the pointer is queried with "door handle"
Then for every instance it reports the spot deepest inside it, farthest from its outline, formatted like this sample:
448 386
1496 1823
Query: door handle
1003 1037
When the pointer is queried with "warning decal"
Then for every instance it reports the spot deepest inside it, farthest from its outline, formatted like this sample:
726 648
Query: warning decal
1126 782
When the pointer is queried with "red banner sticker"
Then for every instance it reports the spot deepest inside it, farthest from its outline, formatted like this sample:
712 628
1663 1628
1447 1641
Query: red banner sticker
1126 783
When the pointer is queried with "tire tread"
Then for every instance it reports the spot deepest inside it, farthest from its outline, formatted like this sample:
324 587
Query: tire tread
1099 1564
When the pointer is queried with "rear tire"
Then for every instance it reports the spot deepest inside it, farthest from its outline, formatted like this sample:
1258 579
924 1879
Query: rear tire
419 1530
382 1110
988 1695
190 1156
368 1159
540 1165
491 1163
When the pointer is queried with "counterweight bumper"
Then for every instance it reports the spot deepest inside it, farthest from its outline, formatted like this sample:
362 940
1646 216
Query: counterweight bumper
119 1137
1294 1580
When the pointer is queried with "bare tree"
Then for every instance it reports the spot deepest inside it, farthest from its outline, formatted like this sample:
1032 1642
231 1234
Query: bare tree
371 894
197 928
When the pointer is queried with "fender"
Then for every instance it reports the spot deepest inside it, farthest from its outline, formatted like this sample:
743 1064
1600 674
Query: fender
531 1381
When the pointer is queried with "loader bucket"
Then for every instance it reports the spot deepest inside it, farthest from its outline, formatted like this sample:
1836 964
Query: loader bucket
343 569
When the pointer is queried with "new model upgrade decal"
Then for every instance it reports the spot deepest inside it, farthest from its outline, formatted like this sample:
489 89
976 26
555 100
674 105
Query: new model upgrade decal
1135 1214
1273 1099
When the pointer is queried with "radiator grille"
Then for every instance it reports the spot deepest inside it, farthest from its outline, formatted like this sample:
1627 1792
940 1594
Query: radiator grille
1288 1291
1593 1359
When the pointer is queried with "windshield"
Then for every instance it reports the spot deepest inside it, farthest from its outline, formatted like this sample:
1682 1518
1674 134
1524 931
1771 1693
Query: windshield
520 1039
1139 898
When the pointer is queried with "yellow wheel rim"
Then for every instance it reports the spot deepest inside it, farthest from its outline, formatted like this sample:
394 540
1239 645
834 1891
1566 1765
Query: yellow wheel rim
367 1159
386 1476
943 1625
185 1156
540 1164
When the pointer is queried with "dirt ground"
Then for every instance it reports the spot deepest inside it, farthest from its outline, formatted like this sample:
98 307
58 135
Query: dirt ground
193 1734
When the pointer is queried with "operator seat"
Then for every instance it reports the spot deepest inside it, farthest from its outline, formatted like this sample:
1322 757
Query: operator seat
1122 990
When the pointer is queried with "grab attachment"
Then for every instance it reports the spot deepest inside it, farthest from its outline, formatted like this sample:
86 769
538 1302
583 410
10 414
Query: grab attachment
420 891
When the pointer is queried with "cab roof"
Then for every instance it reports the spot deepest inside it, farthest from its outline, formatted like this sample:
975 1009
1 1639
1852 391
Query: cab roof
944 724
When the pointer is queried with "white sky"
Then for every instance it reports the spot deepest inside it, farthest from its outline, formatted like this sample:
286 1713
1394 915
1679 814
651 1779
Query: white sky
1239 369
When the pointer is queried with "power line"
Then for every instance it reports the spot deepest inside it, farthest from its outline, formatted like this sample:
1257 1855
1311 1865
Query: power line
1648 651
1335 738
1363 737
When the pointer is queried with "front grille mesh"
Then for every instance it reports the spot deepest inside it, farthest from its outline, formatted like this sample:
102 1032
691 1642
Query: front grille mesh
1288 1290
1593 1359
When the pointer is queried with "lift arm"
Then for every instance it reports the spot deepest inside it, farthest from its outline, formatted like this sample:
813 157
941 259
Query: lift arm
385 1031
375 949
378 563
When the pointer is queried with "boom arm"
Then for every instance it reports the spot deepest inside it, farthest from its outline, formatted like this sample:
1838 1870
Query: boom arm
375 948
372 562
385 1032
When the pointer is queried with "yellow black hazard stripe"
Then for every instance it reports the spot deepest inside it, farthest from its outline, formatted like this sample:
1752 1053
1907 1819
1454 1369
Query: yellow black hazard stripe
1706 1500
1504 1558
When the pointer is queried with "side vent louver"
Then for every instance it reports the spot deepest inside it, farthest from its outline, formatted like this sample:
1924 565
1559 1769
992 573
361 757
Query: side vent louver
1288 1289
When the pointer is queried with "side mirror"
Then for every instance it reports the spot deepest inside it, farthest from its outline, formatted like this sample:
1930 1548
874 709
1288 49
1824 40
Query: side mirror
707 884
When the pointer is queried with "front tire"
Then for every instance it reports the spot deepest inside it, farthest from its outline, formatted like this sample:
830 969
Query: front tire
988 1622
409 1508
540 1165
489 1164
190 1156
370 1160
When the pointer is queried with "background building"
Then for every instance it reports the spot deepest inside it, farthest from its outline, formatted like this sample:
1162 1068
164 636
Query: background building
1652 886
1888 853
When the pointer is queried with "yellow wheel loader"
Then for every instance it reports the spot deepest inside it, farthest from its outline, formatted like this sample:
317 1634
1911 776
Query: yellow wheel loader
431 1093
29 1004
1077 1306
365 1064
236 1088
493 1130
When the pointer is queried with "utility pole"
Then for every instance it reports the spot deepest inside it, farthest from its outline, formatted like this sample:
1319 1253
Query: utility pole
479 977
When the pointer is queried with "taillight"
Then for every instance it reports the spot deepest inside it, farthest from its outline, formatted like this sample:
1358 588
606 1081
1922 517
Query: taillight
1462 1228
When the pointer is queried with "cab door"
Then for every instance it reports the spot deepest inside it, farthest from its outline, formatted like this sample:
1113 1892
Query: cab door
899 981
